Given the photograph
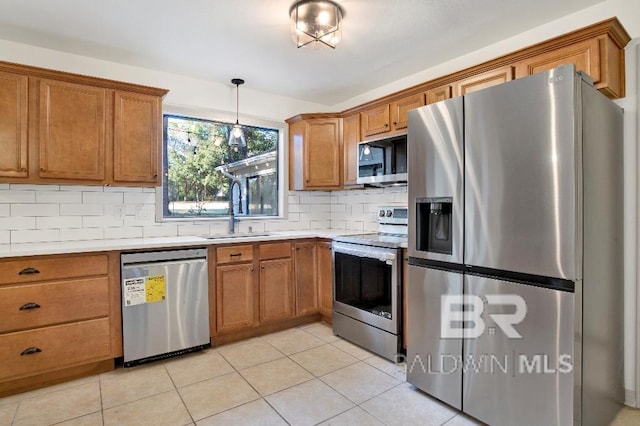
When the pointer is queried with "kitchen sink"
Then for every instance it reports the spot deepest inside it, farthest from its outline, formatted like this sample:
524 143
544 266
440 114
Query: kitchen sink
239 235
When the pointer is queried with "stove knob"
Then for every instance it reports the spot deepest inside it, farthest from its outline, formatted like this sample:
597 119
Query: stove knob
389 213
381 213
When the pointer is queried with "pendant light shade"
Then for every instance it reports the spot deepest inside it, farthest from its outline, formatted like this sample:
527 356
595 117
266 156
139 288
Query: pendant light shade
316 23
236 136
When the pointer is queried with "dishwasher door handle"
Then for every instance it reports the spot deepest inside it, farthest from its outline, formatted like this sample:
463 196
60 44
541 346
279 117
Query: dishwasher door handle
162 263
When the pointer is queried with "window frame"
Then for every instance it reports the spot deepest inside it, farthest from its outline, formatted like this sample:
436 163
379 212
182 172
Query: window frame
219 117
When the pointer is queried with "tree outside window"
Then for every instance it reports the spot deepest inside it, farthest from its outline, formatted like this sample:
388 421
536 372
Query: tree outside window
198 163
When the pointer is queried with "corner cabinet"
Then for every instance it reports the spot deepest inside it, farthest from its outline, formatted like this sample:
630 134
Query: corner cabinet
315 152
60 128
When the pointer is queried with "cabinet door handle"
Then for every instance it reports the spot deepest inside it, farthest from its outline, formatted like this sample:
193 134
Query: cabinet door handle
30 351
29 306
235 254
23 169
29 271
42 169
155 176
386 124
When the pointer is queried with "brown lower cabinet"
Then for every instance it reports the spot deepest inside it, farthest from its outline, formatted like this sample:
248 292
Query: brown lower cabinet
235 289
263 287
325 279
60 318
306 278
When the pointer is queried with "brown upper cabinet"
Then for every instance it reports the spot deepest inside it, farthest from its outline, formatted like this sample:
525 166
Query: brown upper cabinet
315 152
438 94
136 138
401 108
13 125
66 128
390 118
483 81
351 137
598 50
374 121
72 131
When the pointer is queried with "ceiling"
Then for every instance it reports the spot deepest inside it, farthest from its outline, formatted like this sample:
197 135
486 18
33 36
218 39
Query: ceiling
383 40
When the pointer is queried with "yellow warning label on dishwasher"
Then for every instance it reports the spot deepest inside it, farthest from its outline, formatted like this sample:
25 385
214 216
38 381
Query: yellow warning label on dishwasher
156 289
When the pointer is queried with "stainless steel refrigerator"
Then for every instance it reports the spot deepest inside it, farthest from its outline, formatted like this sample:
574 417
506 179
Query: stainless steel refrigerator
515 281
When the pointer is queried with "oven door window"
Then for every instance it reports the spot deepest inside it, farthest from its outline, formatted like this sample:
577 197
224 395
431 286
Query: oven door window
364 283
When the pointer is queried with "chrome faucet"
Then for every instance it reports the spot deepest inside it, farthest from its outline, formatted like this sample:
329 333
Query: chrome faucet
232 218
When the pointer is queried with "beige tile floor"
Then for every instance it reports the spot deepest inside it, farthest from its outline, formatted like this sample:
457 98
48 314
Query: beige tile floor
301 376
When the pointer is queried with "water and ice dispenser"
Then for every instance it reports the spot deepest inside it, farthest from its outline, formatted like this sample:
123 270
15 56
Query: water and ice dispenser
434 225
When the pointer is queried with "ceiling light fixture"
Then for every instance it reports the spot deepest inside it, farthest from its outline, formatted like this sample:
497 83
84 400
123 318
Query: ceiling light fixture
236 137
316 21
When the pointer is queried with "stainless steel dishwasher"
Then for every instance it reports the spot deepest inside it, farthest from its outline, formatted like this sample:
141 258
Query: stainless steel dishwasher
165 304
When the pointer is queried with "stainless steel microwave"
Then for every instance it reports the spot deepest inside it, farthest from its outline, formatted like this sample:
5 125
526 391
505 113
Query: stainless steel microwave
383 161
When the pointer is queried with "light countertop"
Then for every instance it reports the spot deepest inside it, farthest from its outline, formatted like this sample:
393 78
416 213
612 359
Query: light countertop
67 247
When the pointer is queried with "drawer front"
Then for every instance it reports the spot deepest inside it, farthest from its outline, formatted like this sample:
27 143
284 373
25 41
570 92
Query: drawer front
26 270
275 250
233 254
45 349
37 305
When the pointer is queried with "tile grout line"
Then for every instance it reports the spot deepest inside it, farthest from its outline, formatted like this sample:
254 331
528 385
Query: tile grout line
175 388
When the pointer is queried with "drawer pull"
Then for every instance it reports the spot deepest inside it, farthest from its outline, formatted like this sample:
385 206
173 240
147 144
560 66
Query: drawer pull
235 254
29 306
29 271
30 351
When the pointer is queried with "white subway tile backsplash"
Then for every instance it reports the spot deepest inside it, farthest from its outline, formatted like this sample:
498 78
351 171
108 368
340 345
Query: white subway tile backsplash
139 198
123 232
101 222
62 197
27 187
60 222
82 188
32 214
122 189
35 210
298 208
14 223
35 236
163 230
11 196
82 234
81 209
102 197
193 229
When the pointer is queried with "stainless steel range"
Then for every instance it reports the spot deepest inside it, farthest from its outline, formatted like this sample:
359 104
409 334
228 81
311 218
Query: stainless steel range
367 284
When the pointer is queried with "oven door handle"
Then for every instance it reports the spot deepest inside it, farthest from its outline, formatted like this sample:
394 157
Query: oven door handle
387 256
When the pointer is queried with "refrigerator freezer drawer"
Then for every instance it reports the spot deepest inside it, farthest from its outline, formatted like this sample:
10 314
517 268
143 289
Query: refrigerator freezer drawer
527 380
432 361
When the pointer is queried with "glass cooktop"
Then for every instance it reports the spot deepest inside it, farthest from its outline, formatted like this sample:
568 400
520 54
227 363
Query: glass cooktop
377 240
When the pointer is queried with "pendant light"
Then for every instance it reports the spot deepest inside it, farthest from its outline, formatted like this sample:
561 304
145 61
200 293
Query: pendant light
236 136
